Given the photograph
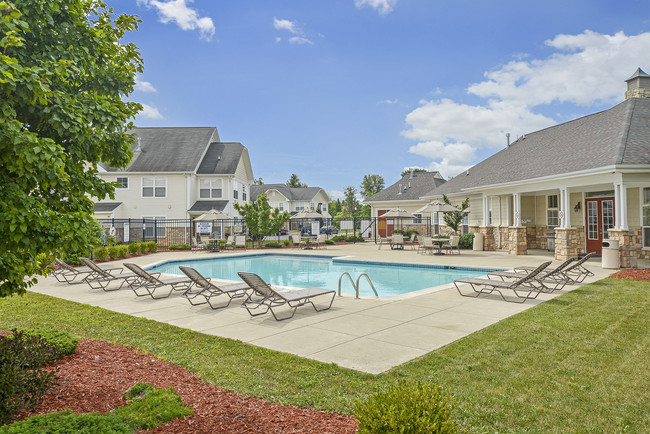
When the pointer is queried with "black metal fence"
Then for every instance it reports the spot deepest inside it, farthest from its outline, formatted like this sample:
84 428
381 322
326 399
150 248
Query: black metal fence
168 232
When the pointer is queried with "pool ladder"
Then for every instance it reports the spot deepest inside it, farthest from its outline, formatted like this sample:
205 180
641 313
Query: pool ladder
356 285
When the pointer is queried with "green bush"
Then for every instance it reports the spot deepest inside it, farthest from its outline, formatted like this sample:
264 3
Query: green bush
151 246
134 248
466 241
122 251
100 253
67 422
149 407
113 252
406 233
22 385
180 247
353 239
286 242
338 238
405 407
63 341
329 242
274 244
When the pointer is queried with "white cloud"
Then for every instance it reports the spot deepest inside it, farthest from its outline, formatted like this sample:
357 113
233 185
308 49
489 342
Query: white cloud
299 38
381 6
389 101
185 17
143 86
150 112
586 69
335 194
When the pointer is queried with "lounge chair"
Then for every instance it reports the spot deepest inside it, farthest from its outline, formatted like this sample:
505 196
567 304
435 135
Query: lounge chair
68 274
397 242
199 243
525 288
550 279
151 282
384 240
452 244
230 242
266 298
203 287
574 273
100 278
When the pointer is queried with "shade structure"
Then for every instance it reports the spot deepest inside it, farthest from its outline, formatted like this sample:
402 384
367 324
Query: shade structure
213 214
397 213
437 206
304 214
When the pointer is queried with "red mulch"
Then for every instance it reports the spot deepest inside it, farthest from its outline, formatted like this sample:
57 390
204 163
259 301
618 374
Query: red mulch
634 274
98 374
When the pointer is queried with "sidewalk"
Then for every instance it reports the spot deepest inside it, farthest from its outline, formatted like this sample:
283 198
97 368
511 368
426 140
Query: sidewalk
369 334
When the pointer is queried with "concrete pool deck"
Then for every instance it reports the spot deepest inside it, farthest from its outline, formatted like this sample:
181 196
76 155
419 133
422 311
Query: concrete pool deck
369 334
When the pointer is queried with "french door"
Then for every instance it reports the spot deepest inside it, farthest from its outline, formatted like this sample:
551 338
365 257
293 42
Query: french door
599 217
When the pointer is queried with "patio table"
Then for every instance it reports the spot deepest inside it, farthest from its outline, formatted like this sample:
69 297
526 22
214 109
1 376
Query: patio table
308 239
439 241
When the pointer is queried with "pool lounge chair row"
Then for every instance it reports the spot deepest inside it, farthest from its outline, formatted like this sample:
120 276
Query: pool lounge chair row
260 297
526 282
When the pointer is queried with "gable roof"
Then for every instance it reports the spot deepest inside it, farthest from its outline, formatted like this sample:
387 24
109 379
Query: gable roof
168 149
106 207
221 158
207 205
618 136
411 188
291 193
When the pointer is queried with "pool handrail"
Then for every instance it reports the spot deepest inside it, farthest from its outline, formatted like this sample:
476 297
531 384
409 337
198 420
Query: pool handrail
356 285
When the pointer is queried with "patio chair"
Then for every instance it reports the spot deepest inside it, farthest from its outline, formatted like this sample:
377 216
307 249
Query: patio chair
205 288
425 244
100 278
384 240
230 242
240 240
68 274
452 244
397 242
266 298
152 282
550 279
525 288
199 244
320 241
574 273
412 241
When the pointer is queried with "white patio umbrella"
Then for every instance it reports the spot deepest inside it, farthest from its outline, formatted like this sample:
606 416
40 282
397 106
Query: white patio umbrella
213 214
304 214
397 213
436 207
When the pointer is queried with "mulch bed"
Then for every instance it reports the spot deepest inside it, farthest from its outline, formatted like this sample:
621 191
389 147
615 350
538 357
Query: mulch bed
634 274
97 375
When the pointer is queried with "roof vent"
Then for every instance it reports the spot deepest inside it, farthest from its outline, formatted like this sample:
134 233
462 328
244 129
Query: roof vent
508 140
411 177
467 172
139 145
400 189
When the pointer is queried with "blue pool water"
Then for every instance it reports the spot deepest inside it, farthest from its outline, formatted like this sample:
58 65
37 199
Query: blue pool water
324 272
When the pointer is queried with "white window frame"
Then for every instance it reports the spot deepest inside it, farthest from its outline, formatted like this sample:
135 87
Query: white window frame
120 186
162 229
235 192
214 187
417 219
553 209
281 206
645 209
243 192
157 182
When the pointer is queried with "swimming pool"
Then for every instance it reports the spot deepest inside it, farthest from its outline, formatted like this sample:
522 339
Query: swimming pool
324 271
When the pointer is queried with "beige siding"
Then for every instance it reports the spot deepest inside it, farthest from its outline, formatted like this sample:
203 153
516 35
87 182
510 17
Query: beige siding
173 206
633 207
577 218
528 210
540 214
476 211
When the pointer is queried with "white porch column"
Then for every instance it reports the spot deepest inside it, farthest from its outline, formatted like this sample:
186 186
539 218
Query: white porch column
516 207
620 206
565 212
486 210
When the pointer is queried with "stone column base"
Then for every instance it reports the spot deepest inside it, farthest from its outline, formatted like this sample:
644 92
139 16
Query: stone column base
566 243
489 239
627 247
518 240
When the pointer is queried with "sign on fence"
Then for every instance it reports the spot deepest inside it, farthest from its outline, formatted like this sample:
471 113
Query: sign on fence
204 228
347 225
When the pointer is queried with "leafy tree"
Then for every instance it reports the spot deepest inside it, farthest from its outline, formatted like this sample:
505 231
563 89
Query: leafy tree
258 181
294 182
335 207
260 219
454 219
64 78
414 169
371 185
350 202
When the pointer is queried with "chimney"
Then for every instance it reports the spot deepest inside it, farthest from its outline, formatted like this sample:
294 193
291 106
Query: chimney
638 86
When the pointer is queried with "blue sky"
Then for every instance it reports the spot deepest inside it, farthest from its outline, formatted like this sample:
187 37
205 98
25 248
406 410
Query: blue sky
333 90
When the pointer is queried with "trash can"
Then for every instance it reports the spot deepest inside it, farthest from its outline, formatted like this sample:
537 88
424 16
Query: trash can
478 241
610 254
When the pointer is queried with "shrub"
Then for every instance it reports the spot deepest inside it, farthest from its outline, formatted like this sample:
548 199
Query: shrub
68 422
151 246
286 242
329 242
405 407
353 239
466 241
180 247
274 244
22 385
100 253
110 240
338 238
406 233
63 341
113 252
149 407
122 251
134 248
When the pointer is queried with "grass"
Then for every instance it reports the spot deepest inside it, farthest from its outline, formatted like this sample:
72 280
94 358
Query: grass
575 363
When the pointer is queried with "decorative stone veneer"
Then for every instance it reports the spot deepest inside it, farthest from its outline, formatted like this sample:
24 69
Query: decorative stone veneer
534 237
518 244
627 246
489 238
566 243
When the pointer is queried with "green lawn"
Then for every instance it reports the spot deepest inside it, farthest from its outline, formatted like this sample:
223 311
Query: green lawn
576 363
